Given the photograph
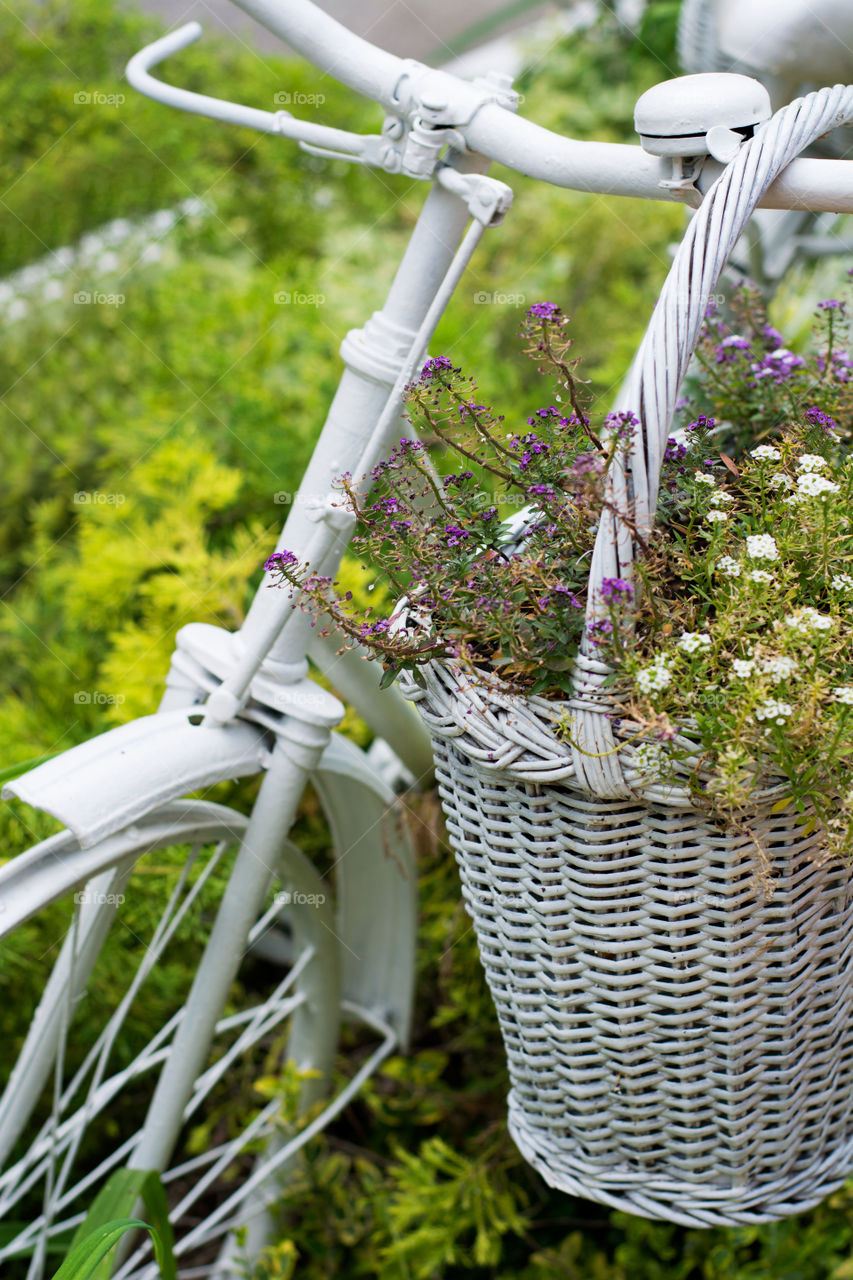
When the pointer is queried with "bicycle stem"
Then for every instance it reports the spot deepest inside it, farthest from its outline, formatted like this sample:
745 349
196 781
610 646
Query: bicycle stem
363 416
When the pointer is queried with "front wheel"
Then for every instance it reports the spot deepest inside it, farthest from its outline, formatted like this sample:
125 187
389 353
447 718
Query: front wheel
103 944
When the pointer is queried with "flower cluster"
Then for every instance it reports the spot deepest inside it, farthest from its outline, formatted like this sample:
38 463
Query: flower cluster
515 605
731 640
751 615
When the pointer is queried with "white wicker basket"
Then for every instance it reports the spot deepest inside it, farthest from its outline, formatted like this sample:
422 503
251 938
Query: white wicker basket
679 1042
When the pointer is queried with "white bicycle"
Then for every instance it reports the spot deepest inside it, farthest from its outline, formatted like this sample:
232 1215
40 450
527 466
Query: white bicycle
91 1091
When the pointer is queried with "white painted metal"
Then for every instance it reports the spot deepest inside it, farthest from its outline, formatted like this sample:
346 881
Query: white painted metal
105 785
477 114
675 117
790 44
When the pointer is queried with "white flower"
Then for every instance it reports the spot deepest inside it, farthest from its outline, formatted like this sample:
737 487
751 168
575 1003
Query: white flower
842 582
766 453
773 710
729 567
761 576
117 230
811 462
692 641
762 546
843 693
16 309
721 496
807 619
702 477
653 678
649 759
193 207
91 245
794 499
779 481
52 290
812 485
107 261
717 517
779 668
743 667
162 221
63 257
34 274
151 253
7 293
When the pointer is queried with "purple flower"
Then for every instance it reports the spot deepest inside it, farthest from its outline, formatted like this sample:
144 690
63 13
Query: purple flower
456 534
436 365
778 366
586 464
599 630
544 311
729 347
561 590
450 480
818 419
613 588
621 424
278 560
674 450
701 424
830 304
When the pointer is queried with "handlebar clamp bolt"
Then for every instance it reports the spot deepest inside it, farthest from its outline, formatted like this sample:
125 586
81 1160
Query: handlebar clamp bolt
700 115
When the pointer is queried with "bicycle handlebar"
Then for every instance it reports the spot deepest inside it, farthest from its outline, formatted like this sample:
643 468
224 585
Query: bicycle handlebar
471 110
331 47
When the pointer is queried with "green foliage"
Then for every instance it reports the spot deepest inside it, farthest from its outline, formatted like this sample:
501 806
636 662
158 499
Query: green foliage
197 401
80 146
448 1210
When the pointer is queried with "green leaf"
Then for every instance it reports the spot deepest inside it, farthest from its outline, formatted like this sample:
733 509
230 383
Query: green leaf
89 1257
115 1202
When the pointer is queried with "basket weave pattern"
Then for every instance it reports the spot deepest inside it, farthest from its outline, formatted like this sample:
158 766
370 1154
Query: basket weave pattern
679 1038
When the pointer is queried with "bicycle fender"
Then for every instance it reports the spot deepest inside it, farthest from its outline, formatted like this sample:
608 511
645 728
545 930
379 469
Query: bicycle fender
376 881
104 785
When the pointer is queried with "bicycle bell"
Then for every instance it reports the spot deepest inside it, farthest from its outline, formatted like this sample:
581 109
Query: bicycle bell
706 114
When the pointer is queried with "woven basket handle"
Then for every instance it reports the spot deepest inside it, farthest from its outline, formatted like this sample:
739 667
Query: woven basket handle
656 376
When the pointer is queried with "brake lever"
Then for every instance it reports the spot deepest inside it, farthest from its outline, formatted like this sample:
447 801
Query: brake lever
375 150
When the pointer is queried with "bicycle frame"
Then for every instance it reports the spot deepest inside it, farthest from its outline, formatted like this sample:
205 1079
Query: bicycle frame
227 693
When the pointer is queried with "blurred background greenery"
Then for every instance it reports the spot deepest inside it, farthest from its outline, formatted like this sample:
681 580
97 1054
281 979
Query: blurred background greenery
142 445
